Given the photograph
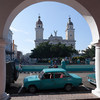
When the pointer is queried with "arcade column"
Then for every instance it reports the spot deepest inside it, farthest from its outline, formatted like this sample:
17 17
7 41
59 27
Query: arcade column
97 69
3 94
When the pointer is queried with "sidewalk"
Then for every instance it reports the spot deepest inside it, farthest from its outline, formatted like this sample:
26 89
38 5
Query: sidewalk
52 96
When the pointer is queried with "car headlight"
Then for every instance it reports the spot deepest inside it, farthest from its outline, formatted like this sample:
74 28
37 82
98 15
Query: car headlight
25 80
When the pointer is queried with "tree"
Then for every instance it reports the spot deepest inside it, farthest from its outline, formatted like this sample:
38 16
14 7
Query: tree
47 50
89 52
42 51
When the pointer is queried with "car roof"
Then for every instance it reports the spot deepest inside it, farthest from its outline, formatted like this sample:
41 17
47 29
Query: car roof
53 70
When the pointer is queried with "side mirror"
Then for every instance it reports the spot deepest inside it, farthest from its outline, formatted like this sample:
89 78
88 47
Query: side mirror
42 78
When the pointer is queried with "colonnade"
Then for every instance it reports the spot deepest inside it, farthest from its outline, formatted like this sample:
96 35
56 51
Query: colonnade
4 95
97 69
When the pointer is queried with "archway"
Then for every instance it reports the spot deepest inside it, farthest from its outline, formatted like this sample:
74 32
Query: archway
74 4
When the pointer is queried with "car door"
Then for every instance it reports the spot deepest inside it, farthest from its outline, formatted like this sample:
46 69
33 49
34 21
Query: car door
60 80
47 82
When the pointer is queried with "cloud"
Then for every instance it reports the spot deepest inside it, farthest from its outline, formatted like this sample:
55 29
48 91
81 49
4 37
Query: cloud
17 30
14 29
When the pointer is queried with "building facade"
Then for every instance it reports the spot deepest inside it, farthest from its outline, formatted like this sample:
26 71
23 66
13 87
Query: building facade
8 48
15 51
11 48
69 41
89 9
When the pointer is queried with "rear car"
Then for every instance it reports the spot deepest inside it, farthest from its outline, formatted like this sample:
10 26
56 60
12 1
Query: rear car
91 78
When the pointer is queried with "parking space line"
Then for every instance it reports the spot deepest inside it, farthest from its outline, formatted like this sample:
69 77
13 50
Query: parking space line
20 89
85 87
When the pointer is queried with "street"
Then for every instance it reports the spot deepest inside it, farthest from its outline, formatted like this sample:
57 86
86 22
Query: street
16 88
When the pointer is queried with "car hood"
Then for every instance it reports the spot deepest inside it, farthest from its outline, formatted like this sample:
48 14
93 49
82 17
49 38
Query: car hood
75 76
31 78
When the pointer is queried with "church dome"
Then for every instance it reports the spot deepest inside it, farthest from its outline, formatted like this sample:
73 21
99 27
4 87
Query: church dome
69 23
39 21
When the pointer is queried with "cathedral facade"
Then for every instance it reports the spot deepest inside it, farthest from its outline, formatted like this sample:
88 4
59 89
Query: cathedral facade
69 41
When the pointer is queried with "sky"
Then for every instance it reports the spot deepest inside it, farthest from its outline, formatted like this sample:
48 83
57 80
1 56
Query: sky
54 16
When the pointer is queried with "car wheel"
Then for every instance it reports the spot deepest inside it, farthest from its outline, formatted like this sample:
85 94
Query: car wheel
68 87
32 89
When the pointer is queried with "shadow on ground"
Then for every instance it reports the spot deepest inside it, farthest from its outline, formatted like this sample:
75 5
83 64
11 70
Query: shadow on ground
14 88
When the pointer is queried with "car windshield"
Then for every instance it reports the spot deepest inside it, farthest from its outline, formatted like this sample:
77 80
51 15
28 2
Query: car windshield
41 74
67 74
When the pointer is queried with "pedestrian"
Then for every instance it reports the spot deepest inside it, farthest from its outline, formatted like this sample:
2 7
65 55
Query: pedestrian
20 67
51 63
63 64
78 61
55 64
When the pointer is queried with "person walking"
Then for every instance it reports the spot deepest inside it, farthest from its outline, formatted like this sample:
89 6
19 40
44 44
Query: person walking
20 67
63 64
51 63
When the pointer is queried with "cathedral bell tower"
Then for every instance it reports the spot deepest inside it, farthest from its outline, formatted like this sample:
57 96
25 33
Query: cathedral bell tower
70 31
39 30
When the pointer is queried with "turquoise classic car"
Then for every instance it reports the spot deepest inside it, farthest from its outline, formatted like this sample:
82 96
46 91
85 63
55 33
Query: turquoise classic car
91 78
52 78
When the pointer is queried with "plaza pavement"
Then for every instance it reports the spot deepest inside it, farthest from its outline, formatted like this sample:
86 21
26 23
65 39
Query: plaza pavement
79 96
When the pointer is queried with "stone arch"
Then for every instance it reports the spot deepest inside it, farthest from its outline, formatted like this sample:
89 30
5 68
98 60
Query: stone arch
72 3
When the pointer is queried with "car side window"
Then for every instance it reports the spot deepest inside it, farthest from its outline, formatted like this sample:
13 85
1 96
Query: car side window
60 75
48 76
51 76
57 75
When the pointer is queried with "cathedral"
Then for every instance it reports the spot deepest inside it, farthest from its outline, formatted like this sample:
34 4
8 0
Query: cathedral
69 41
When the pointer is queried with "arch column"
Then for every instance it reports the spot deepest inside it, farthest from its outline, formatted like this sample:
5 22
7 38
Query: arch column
3 94
97 69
